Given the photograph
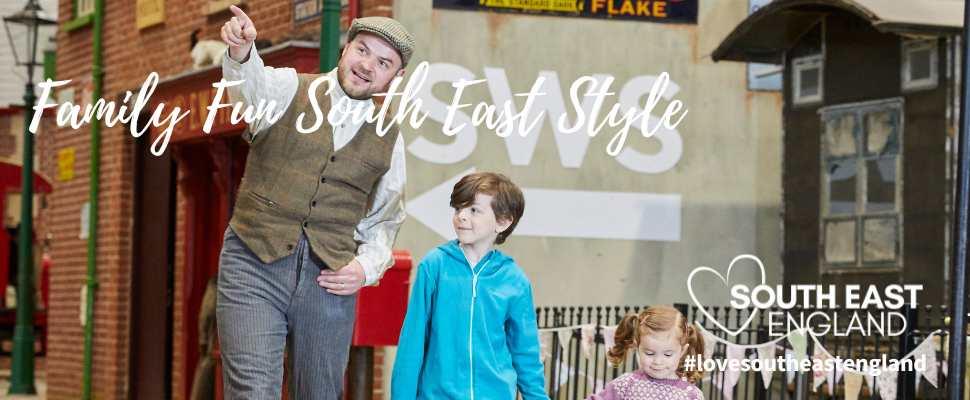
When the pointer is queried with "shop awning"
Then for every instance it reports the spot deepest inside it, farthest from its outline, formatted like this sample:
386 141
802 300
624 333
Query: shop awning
10 180
774 28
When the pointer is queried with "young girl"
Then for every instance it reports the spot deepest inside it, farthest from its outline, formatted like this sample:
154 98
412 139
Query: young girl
662 338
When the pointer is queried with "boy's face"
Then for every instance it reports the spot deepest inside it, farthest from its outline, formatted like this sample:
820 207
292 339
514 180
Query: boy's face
367 66
477 224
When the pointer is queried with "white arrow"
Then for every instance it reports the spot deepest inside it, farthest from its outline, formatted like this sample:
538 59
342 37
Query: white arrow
568 213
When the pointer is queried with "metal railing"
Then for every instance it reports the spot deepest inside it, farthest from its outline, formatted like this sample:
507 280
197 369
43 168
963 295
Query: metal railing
575 371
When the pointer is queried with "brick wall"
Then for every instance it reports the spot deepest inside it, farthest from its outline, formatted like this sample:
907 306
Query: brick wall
129 56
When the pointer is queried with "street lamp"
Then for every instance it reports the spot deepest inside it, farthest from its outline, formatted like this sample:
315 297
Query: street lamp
24 25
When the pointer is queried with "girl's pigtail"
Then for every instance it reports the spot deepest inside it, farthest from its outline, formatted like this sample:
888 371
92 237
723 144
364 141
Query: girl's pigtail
624 338
695 348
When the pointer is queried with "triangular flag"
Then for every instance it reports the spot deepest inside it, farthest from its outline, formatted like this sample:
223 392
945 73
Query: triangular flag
798 344
946 354
834 376
609 337
562 336
732 375
587 340
926 353
766 353
887 384
869 381
853 384
710 341
818 376
545 345
790 366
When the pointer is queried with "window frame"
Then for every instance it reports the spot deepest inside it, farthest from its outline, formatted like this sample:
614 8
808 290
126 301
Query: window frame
798 65
79 20
860 215
907 47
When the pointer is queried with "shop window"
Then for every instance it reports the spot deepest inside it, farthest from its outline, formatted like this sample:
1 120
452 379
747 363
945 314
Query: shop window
861 210
82 15
83 8
807 79
919 64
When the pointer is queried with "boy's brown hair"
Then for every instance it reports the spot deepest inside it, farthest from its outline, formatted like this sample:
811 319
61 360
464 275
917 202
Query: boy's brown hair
507 200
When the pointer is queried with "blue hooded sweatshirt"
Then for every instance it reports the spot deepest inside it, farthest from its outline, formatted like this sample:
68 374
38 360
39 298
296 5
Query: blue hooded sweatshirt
470 333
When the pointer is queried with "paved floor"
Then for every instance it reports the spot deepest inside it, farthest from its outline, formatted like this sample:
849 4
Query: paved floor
39 380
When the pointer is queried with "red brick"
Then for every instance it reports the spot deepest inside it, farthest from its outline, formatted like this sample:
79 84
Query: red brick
129 55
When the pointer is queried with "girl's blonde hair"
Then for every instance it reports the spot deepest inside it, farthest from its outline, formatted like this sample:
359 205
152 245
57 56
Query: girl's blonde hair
658 319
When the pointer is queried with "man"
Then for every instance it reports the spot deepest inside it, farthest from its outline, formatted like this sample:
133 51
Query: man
315 217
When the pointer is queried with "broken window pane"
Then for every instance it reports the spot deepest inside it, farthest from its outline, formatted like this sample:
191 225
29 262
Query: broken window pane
840 136
881 184
879 238
881 137
842 186
840 241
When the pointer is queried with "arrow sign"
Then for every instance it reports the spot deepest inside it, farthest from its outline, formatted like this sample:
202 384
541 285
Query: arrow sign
567 213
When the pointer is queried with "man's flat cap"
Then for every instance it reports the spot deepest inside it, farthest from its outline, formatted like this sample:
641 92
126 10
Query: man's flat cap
389 30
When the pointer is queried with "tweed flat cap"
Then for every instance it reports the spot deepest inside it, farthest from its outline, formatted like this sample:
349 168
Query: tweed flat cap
389 30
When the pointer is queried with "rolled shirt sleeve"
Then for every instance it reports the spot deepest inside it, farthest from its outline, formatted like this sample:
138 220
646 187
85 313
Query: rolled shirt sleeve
377 231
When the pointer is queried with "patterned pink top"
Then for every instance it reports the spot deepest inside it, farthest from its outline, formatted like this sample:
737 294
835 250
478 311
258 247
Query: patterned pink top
640 386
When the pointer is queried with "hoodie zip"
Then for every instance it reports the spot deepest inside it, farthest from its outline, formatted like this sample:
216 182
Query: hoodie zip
471 321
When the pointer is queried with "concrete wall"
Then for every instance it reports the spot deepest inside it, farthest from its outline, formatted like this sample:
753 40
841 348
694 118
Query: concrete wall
727 175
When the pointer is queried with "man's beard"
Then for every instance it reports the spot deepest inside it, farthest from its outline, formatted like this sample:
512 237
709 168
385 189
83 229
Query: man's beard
342 77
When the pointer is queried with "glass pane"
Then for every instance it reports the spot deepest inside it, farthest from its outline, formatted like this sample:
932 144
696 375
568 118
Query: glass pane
882 127
880 239
809 82
842 187
919 64
84 7
840 136
881 184
839 241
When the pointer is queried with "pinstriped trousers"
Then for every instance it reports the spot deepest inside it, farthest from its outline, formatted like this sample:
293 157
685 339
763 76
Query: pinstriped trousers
261 308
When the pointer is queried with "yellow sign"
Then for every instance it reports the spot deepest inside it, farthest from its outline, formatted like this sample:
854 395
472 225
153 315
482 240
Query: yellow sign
537 5
675 11
65 164
149 13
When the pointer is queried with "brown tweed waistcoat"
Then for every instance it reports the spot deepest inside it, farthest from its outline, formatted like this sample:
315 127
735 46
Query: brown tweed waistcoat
297 183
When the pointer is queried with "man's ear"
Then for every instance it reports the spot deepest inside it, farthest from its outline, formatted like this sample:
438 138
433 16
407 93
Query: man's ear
400 72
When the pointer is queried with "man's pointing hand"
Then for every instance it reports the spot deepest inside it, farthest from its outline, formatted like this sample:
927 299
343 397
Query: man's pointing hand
239 33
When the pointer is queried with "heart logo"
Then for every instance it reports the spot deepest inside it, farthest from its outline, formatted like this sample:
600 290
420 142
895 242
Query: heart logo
700 306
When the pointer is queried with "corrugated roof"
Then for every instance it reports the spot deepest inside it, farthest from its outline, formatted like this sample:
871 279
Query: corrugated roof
773 28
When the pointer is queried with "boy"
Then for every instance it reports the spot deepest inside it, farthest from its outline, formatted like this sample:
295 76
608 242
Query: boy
470 330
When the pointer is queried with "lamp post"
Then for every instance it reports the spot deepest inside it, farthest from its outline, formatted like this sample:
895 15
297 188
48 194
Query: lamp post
22 32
